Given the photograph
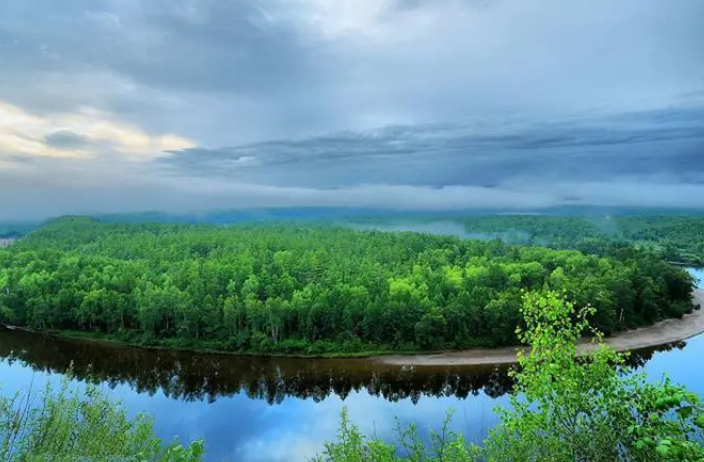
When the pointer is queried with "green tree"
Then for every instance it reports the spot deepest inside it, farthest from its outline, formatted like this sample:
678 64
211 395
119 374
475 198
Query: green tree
565 408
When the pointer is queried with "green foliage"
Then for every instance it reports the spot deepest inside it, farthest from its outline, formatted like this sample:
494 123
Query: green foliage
311 289
566 408
66 425
352 446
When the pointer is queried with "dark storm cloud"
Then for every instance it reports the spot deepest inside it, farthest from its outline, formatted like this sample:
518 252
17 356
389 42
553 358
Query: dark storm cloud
664 142
209 46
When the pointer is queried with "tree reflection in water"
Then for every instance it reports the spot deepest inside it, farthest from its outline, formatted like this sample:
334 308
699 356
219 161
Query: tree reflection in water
191 376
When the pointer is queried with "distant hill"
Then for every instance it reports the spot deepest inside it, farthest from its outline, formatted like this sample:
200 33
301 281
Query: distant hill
341 214
16 230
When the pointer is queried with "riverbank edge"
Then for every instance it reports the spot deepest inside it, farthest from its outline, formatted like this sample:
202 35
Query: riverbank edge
659 334
89 338
468 357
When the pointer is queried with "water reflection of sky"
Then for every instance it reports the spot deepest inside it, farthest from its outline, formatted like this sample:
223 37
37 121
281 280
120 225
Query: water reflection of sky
239 428
699 274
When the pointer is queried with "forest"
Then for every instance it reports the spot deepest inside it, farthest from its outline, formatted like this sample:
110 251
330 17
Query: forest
676 237
312 289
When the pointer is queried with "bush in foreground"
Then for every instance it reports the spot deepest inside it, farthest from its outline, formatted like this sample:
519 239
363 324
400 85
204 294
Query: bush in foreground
68 425
565 408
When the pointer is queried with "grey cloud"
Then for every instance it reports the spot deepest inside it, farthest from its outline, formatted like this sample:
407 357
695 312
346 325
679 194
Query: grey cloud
411 104
189 196
228 71
15 159
161 43
482 153
140 59
66 139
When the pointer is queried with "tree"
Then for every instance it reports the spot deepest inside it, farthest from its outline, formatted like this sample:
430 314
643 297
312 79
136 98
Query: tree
564 408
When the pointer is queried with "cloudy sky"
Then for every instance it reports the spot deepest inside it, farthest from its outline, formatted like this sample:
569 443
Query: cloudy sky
191 105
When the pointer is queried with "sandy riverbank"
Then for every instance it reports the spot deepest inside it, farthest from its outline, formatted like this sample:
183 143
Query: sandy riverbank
668 331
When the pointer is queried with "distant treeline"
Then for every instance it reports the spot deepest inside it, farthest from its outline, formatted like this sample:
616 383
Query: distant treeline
312 289
14 231
675 238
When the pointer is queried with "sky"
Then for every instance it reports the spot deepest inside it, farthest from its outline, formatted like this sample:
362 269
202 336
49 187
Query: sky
194 105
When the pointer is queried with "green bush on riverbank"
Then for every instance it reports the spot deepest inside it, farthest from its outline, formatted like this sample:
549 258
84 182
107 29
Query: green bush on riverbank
311 290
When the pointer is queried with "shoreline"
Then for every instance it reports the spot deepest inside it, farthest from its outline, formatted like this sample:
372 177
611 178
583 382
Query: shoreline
74 336
661 333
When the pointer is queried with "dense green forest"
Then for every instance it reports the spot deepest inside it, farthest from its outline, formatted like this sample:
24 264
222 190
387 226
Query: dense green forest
311 289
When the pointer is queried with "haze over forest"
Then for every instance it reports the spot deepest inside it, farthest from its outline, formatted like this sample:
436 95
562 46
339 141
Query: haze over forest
109 106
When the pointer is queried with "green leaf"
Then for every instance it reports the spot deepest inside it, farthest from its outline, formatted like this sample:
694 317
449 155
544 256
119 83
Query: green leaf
661 403
685 412
699 421
662 450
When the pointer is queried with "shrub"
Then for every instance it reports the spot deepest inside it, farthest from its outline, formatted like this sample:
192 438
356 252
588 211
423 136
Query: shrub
565 408
65 425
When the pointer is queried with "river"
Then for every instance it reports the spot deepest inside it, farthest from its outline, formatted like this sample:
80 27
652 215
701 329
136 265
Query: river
250 409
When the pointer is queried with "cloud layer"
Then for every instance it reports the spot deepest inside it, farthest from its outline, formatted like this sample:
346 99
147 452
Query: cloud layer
115 105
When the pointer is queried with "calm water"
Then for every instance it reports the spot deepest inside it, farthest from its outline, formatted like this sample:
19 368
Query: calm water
283 410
